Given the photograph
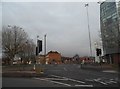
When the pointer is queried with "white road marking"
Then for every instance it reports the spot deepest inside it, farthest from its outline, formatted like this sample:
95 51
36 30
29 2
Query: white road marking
84 85
111 79
103 83
54 82
65 69
89 79
60 83
110 71
55 79
77 81
111 82
64 78
59 76
98 80
68 79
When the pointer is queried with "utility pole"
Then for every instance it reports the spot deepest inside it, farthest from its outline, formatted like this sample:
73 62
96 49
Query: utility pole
86 5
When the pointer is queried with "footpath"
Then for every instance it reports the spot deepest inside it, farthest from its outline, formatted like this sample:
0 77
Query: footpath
103 67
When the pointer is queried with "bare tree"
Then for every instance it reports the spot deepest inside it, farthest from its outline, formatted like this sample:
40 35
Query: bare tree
28 51
14 40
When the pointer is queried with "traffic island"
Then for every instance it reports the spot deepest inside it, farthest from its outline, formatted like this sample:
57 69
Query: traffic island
38 72
22 74
23 71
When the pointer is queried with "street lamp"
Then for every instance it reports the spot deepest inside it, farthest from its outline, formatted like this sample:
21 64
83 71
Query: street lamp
86 5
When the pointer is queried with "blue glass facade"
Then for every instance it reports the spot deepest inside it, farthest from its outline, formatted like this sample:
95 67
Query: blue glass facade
109 20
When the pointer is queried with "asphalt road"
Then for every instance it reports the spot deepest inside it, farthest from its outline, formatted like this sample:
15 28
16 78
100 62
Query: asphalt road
70 75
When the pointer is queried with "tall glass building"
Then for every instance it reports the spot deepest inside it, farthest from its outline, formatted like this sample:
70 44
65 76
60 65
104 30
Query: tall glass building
110 24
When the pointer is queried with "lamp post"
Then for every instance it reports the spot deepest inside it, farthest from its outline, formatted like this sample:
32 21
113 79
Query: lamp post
86 5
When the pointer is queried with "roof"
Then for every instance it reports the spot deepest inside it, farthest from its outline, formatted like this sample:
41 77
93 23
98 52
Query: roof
53 52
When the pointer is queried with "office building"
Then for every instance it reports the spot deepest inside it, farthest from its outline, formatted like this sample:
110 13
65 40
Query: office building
110 24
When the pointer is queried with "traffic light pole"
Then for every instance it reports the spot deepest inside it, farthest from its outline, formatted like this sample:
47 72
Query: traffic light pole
37 52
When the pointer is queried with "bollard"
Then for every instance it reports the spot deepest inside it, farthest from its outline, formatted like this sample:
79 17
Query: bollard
34 67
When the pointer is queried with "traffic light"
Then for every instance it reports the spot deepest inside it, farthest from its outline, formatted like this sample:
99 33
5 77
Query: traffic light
39 47
39 42
36 51
98 52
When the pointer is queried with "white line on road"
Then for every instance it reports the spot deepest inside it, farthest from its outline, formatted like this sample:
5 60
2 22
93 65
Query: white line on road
111 82
54 82
103 83
60 83
110 71
100 81
47 79
55 79
65 69
89 80
84 85
77 81
59 76
68 79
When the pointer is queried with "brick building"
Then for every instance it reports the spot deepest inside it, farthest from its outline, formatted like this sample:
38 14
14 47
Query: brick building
53 57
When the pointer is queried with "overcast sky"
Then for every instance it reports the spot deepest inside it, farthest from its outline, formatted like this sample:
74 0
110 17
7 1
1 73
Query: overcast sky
65 24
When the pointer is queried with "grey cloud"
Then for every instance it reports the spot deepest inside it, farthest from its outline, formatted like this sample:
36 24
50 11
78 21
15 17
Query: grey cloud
64 23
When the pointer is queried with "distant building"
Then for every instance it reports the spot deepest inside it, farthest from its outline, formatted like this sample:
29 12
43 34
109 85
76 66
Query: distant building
17 60
86 59
110 30
67 60
53 57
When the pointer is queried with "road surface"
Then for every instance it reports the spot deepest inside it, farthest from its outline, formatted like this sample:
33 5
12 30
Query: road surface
70 75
